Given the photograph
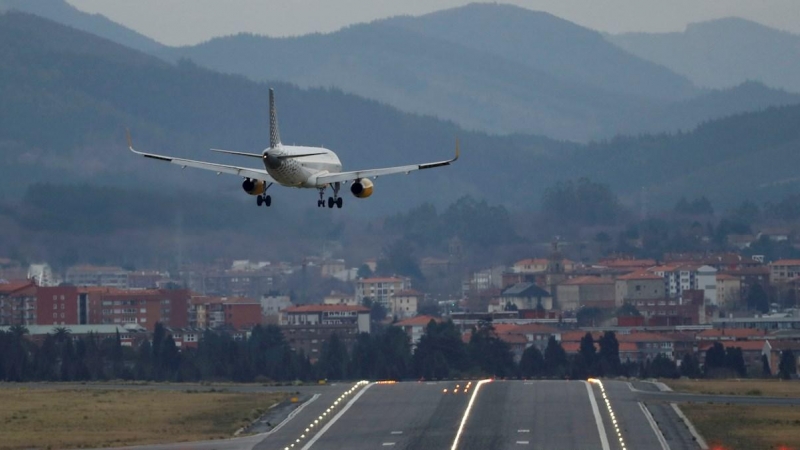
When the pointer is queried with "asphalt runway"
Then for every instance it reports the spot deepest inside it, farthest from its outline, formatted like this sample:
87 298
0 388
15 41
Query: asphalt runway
518 414
503 415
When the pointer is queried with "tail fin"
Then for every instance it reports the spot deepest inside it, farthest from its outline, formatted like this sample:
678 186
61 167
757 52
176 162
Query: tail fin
274 134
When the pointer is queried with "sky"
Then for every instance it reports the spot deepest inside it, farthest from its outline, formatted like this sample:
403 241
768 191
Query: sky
185 22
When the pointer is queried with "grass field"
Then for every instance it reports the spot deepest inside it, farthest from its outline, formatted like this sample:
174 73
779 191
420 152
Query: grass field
766 388
39 418
746 426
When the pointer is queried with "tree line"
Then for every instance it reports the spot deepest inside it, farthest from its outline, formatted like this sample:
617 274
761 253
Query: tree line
266 356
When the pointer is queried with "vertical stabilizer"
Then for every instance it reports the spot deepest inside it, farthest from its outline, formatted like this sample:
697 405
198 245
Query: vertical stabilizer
274 134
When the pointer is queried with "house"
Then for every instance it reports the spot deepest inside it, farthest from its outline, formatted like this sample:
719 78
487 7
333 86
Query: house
729 289
308 327
578 292
784 270
525 296
404 303
380 289
641 285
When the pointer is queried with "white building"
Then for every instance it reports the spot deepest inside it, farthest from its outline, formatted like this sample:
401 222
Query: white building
380 289
42 275
272 305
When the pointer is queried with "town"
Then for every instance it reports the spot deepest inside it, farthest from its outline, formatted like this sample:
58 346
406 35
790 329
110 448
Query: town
673 311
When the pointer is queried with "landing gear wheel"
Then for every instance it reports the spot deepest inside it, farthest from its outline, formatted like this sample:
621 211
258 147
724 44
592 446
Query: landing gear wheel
259 200
339 202
330 202
268 200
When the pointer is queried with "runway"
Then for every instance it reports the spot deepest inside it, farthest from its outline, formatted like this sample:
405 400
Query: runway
504 415
461 415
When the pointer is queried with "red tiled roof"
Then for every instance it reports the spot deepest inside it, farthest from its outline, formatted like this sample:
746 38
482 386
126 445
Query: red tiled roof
643 275
628 347
531 262
15 285
588 280
786 262
736 333
408 293
325 308
417 321
725 276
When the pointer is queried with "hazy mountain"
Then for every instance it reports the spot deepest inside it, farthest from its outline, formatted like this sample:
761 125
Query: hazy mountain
494 68
722 53
552 45
68 96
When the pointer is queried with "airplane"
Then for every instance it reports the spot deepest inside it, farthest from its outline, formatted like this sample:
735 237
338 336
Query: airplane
295 166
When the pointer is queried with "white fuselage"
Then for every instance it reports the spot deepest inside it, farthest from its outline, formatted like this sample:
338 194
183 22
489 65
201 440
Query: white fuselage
301 172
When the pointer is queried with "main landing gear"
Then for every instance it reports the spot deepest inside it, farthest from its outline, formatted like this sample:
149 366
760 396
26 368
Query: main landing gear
332 201
264 199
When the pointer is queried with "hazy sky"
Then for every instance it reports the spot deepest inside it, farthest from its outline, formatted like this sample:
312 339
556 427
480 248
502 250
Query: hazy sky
181 22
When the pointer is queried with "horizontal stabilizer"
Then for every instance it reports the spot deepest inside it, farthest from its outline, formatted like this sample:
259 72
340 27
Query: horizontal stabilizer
231 152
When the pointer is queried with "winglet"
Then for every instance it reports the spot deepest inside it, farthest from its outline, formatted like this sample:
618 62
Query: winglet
130 142
457 152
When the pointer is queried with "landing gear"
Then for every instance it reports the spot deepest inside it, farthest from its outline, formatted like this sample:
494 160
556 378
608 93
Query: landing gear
332 201
264 199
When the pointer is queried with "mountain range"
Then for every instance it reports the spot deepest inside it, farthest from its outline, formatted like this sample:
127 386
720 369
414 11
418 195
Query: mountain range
495 68
488 67
722 53
69 95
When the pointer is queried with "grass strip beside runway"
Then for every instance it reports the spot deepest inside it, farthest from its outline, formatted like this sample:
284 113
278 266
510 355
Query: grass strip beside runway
747 427
55 418
766 388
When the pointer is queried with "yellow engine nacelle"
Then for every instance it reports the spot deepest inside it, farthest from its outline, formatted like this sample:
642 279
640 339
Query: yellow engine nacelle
362 188
254 187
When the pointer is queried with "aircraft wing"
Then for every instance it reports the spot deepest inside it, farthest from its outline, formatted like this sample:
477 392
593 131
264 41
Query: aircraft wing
369 173
259 174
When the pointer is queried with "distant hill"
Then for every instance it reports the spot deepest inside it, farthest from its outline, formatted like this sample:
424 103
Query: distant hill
67 97
489 67
549 44
62 12
722 53
494 68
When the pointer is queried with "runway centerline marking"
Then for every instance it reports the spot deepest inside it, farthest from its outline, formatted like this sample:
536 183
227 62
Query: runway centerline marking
397 432
388 444
599 420
523 431
466 412
523 442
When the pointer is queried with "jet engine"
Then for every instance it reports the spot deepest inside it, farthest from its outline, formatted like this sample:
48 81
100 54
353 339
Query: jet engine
254 187
361 188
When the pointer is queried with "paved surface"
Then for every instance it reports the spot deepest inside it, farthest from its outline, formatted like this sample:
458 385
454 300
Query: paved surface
503 415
